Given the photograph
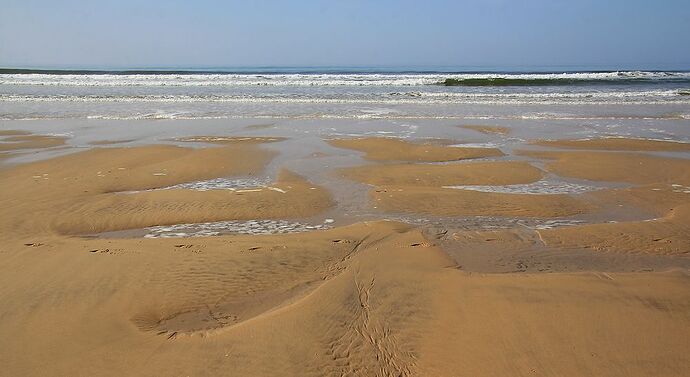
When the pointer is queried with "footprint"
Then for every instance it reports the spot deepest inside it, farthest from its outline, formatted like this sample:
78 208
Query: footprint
108 251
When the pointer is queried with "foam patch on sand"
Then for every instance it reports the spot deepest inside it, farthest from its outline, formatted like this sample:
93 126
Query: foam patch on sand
220 184
681 188
500 143
488 222
232 227
229 139
230 184
535 188
489 144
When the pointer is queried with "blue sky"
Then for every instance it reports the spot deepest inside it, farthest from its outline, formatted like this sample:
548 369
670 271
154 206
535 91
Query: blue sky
214 33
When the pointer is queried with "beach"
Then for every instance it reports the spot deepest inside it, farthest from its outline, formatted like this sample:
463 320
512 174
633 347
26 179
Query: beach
144 234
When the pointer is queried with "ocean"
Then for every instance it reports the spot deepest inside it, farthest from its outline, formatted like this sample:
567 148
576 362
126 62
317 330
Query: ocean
342 93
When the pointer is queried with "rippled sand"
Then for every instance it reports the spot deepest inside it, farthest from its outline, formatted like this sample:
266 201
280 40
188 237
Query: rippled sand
163 260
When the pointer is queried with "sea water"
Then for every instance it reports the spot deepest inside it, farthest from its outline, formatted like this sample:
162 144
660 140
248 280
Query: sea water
312 93
308 106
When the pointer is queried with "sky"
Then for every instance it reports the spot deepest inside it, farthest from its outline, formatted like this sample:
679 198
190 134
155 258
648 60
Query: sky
633 34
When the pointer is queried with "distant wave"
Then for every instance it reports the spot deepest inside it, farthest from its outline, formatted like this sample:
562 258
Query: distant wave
143 78
610 78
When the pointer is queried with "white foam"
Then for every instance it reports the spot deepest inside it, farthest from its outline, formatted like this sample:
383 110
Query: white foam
368 99
543 187
681 189
333 79
488 222
477 145
231 184
230 227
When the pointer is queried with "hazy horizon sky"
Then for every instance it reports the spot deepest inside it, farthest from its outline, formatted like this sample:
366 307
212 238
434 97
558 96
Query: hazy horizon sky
633 34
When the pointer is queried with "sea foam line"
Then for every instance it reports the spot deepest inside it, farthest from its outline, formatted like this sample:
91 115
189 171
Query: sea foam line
336 79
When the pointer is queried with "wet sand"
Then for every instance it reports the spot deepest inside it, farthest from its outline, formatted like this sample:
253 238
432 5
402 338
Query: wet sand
458 202
371 298
14 132
618 144
489 130
19 142
471 173
389 149
633 168
111 142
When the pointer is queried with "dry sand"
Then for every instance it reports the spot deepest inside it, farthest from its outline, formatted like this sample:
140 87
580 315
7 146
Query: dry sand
371 299
388 149
558 325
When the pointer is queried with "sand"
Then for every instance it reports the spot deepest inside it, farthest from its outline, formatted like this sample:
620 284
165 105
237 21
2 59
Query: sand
618 144
14 132
420 188
369 299
523 250
18 142
375 298
389 149
79 192
456 202
290 196
616 167
665 233
474 173
488 130
558 325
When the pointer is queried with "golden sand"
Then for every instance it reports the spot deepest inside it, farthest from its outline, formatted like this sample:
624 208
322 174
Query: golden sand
666 234
369 299
289 197
474 173
419 188
374 298
388 149
85 188
456 202
489 130
616 167
558 325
